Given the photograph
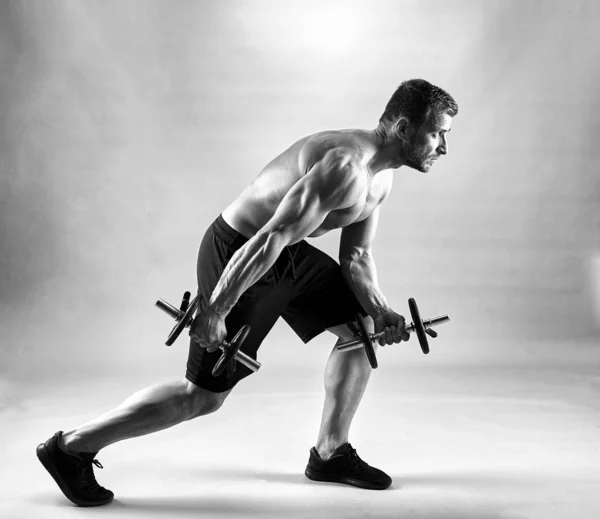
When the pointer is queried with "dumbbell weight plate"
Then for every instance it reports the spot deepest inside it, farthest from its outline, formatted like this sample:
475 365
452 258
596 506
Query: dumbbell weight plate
185 321
419 328
366 338
230 351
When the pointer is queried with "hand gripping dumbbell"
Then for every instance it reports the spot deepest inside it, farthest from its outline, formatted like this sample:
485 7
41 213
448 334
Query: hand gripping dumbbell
231 350
365 339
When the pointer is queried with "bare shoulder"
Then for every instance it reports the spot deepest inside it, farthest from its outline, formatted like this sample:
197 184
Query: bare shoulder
330 167
331 147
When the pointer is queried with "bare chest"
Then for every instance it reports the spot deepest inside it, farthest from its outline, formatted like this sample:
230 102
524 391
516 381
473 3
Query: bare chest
361 210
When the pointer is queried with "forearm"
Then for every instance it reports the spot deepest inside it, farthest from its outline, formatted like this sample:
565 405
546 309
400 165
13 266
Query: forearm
361 275
248 264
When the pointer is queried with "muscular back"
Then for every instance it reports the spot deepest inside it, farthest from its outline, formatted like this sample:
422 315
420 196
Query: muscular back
259 201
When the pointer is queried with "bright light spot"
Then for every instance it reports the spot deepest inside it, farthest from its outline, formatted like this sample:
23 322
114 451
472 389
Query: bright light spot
283 27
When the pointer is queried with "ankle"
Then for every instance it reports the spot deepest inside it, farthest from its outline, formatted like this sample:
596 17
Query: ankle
71 443
325 449
67 442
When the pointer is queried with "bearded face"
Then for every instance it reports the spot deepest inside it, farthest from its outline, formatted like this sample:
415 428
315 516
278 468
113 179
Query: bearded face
425 145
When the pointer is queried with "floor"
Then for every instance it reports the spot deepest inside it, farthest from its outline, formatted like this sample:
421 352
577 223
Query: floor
459 443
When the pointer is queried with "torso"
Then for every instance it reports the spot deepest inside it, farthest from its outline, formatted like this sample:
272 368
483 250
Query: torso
250 211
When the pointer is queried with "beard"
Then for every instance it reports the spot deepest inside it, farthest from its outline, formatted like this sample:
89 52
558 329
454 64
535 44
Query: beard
417 158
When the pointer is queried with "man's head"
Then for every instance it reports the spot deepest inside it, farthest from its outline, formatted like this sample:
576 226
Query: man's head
417 120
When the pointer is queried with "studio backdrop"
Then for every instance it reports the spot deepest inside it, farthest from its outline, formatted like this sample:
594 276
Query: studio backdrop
128 126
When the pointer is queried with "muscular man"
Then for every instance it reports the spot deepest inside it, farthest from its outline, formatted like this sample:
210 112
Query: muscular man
254 266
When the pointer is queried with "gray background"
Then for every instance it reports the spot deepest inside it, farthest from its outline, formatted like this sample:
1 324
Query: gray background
127 126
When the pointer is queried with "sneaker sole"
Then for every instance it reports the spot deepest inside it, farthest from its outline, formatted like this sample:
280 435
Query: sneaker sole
46 461
316 476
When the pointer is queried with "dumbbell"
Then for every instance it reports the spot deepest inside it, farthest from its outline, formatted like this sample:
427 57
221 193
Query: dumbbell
231 350
421 327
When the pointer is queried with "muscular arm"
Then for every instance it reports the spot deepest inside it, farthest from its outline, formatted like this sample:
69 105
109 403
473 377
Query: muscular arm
358 265
329 185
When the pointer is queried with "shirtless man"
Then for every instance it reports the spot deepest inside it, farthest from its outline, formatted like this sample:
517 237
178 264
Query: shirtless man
254 266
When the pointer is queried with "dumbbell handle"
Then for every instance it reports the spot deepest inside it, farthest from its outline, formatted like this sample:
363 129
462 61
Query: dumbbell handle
354 344
240 356
168 308
244 359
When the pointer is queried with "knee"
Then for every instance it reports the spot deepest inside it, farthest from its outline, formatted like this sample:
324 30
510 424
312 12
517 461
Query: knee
201 401
344 333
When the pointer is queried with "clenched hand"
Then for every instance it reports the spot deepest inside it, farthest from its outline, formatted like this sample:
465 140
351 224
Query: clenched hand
393 325
208 330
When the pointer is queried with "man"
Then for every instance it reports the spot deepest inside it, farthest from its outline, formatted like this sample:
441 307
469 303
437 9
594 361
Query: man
254 266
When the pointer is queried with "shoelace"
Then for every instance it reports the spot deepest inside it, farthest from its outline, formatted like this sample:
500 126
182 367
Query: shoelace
88 479
354 458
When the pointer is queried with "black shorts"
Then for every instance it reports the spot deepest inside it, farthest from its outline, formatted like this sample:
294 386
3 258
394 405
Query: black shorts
305 286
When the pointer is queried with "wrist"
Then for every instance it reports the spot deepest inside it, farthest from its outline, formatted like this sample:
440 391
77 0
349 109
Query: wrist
378 311
214 309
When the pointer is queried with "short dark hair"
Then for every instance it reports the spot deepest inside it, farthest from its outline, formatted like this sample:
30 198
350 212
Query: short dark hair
415 99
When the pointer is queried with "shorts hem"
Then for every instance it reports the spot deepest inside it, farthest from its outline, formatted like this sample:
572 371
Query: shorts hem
309 336
221 388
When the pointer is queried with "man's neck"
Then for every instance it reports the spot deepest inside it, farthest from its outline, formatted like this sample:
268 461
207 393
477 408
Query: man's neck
386 154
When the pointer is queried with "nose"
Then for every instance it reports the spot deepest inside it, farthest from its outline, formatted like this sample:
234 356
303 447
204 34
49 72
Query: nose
442 149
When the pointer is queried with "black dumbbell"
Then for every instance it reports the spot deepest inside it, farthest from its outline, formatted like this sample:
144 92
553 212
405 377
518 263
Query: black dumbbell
421 327
231 350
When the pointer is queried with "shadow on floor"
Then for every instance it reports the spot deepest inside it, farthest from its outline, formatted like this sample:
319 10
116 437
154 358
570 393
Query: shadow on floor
198 507
342 501
459 479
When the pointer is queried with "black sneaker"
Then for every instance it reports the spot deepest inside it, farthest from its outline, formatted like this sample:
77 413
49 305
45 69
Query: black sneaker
345 466
73 473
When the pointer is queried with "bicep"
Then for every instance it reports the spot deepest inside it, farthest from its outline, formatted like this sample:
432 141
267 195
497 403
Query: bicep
309 201
357 239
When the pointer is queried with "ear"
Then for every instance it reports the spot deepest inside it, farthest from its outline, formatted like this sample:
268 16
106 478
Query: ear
401 127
